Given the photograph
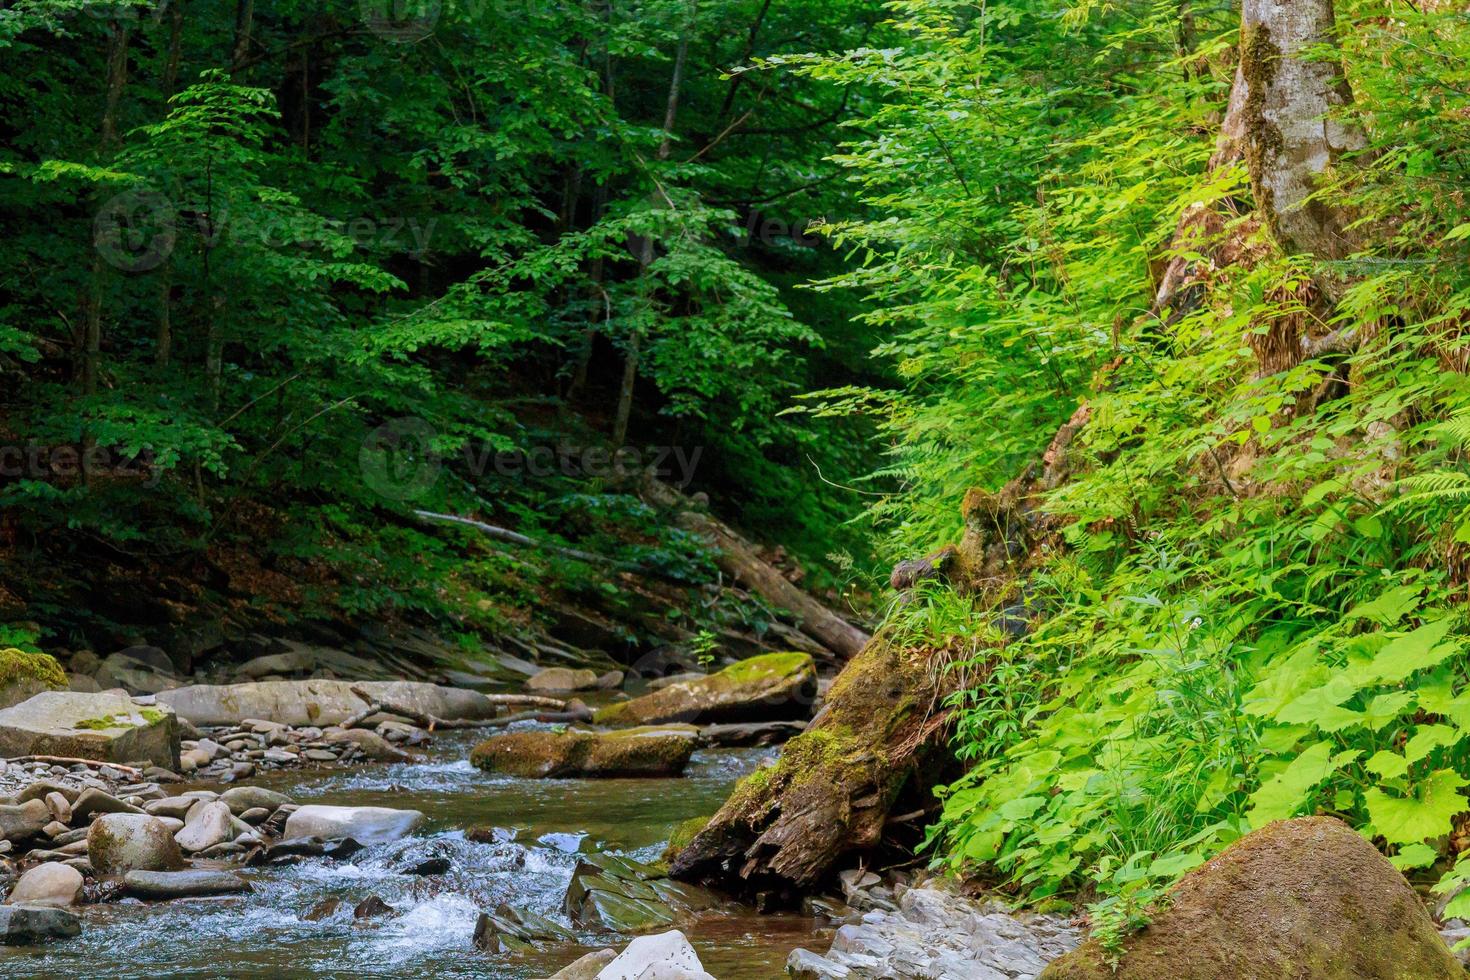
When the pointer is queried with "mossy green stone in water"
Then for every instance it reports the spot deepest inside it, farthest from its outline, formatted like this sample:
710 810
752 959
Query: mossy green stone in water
649 751
771 686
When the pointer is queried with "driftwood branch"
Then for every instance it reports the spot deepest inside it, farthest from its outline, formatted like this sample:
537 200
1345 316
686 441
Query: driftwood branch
431 722
69 761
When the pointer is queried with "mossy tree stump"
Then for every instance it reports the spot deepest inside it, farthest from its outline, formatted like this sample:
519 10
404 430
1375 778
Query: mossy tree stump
830 793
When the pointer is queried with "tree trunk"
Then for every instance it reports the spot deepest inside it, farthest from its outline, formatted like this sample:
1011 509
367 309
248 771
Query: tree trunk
163 346
117 76
1292 122
737 558
645 245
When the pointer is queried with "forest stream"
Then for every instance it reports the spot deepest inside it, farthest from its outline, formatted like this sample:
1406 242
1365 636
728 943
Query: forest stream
539 830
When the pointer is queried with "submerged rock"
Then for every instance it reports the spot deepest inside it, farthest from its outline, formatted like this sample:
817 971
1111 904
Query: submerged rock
666 956
106 727
316 702
122 842
574 753
770 687
1297 898
183 884
28 925
367 824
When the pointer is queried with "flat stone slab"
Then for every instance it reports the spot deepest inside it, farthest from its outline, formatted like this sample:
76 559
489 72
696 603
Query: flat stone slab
183 884
104 727
316 702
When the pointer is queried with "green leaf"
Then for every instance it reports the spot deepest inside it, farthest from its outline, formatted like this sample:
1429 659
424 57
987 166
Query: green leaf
1429 738
1413 652
1414 856
1286 792
1428 813
1390 607
1389 765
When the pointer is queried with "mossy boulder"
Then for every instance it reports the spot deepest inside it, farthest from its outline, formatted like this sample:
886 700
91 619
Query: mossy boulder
769 687
24 675
105 727
1306 898
661 750
121 842
682 835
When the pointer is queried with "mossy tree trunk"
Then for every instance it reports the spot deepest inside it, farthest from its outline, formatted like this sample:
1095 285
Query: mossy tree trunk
1294 125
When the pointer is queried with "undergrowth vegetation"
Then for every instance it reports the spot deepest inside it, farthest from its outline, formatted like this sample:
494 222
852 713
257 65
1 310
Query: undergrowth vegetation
1253 606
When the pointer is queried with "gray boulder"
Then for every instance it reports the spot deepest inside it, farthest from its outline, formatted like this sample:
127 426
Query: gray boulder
316 702
365 824
121 842
208 824
28 925
106 727
554 680
51 884
24 821
242 798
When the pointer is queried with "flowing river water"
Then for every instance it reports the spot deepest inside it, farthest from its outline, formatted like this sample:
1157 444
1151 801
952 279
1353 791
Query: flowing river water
541 826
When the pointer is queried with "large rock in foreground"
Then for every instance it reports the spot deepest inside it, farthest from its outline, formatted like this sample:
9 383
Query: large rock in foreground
316 703
576 754
666 956
105 727
1305 898
773 686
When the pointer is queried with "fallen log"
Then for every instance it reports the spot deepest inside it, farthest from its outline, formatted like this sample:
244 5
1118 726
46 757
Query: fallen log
431 722
737 558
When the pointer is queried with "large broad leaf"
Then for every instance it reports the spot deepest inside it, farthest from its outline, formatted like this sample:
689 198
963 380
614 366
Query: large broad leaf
1428 738
1413 819
1285 793
1412 652
1390 607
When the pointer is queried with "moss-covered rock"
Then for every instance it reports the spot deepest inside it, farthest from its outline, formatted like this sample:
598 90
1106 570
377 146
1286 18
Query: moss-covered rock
771 686
681 836
106 727
623 895
24 675
1305 898
662 750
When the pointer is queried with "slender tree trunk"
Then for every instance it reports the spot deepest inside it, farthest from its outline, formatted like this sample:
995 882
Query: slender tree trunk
1293 126
646 244
163 347
117 76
